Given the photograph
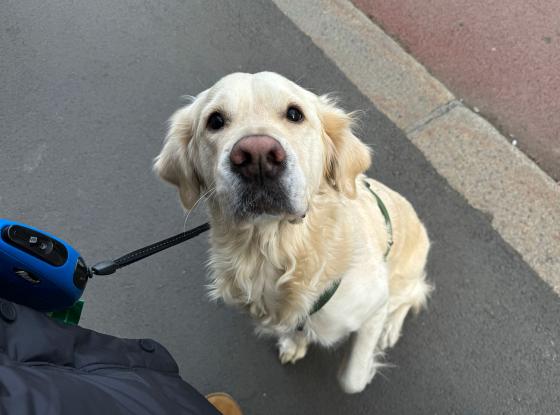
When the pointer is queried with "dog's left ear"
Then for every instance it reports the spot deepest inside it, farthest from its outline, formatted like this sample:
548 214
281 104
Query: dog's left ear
174 163
346 156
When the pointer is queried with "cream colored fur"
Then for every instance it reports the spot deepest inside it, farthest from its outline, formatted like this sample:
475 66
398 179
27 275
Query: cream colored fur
277 266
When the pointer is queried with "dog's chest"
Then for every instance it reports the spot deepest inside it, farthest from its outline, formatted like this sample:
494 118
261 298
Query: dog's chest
249 278
265 301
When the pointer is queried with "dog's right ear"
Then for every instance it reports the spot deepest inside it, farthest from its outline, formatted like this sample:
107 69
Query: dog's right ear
174 163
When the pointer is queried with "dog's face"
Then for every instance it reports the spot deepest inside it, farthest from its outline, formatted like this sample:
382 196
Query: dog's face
262 145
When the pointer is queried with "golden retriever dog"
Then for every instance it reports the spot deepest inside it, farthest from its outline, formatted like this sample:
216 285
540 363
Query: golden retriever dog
294 220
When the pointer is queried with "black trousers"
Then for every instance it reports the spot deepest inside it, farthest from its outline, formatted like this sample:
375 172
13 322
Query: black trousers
48 367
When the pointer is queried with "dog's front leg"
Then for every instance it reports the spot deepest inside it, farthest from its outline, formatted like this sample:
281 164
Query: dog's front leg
360 367
292 347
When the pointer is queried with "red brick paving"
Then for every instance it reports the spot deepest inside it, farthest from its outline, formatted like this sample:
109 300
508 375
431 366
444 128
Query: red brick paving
501 56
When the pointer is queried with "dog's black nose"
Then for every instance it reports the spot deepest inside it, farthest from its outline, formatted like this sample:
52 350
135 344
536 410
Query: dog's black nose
258 158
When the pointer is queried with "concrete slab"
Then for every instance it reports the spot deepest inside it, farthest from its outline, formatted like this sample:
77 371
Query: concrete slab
501 57
88 87
497 179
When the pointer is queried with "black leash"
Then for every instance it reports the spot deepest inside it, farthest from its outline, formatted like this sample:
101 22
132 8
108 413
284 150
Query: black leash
109 267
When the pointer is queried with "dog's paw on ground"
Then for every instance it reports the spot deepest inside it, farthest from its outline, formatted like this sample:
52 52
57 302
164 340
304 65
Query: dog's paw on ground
356 381
291 349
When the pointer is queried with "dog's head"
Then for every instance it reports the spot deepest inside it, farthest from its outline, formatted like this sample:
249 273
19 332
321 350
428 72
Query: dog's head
262 145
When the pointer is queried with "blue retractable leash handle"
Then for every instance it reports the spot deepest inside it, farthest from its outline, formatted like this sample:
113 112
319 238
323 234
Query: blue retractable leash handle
44 272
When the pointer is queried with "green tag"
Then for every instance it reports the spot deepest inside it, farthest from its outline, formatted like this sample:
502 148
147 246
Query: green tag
70 315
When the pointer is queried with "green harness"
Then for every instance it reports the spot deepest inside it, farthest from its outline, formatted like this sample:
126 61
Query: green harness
327 295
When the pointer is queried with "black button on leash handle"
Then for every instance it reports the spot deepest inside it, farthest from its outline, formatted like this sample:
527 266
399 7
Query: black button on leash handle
109 267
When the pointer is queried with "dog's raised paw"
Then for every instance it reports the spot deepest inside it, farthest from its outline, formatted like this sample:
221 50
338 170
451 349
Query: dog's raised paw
291 349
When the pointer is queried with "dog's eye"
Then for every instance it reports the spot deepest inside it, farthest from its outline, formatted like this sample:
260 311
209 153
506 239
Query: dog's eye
294 114
215 121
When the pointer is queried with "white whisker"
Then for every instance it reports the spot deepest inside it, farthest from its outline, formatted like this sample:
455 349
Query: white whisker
206 194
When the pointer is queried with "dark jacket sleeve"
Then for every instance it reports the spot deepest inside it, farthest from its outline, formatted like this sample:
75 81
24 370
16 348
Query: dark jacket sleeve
48 367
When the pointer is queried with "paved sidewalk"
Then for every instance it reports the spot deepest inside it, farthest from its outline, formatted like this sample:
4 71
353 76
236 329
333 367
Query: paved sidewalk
501 57
88 87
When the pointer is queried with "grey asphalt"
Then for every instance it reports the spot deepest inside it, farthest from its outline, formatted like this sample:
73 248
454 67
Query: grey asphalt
85 90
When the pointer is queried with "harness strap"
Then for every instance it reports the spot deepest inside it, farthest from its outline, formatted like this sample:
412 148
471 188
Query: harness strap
327 295
385 214
324 298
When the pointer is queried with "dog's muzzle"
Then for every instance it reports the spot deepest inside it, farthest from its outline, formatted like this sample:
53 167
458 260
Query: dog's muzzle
260 163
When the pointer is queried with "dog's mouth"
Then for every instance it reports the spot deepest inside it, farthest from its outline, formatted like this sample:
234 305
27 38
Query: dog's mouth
256 200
